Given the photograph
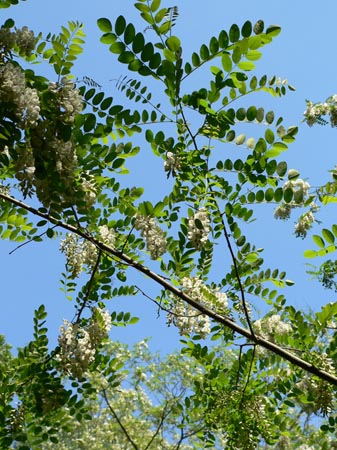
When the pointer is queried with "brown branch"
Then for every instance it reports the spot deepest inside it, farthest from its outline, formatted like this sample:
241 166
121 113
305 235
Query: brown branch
229 245
119 421
248 377
164 414
274 348
31 240
236 269
90 283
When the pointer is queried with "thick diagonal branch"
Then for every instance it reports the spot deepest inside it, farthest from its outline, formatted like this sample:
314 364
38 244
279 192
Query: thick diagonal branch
293 359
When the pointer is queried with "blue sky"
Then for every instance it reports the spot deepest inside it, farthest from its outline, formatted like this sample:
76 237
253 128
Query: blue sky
304 53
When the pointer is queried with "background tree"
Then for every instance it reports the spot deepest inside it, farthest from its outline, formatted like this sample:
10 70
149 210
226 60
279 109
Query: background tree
66 146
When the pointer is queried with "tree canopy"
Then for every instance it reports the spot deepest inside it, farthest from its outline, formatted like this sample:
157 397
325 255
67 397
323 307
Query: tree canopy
245 376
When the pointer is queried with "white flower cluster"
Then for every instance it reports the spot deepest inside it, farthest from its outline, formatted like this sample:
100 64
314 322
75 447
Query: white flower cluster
78 345
154 236
172 163
23 101
319 391
24 39
314 112
198 228
283 211
107 235
270 326
89 187
188 319
300 189
298 186
5 190
59 156
78 253
304 224
68 99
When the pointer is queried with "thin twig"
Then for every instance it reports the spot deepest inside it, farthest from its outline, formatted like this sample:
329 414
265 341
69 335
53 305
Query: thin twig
237 275
248 377
90 283
119 421
164 414
31 240
188 316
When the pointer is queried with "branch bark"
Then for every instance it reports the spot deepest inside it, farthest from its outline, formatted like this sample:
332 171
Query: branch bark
274 348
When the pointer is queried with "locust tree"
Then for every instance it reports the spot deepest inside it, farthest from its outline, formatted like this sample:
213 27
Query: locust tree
65 152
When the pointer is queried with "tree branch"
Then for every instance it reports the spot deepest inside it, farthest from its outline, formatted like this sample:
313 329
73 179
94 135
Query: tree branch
119 421
274 348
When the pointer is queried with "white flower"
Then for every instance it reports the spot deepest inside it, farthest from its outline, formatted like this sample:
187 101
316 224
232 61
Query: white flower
89 188
198 228
29 108
154 236
99 327
172 163
76 351
78 253
74 257
78 345
24 102
25 40
188 319
5 190
107 235
7 40
304 224
270 326
283 212
68 99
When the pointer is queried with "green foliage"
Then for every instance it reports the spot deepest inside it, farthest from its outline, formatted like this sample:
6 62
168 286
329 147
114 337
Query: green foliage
69 149
65 48
8 3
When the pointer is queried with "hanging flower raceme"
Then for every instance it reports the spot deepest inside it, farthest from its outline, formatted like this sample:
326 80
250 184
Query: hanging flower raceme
67 98
172 164
314 112
20 100
270 326
154 236
78 345
198 228
187 318
78 253
23 40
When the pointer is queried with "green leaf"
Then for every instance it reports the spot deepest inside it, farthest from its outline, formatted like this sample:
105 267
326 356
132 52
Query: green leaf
328 236
138 43
120 25
155 5
214 45
270 117
195 59
104 25
129 34
173 43
204 52
234 33
251 113
277 148
253 55
246 65
247 29
226 62
318 241
269 136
